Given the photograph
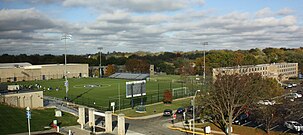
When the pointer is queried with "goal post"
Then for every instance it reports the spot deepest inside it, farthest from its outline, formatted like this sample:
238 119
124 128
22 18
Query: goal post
180 91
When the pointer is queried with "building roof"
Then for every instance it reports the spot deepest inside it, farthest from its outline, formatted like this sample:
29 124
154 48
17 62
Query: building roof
251 66
14 65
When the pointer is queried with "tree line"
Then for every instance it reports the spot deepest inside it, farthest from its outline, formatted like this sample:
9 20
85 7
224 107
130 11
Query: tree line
190 63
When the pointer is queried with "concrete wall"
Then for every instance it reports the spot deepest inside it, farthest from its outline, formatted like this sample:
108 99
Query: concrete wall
25 99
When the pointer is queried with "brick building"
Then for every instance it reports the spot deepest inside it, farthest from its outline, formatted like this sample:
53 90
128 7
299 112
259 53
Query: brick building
279 71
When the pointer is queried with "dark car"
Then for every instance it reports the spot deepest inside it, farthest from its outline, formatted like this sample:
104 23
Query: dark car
190 109
180 110
167 112
242 118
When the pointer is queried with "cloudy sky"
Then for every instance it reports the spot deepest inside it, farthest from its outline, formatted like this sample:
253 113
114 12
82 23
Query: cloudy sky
36 26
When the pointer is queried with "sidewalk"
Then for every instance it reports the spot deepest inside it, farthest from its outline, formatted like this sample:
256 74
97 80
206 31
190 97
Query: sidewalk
179 126
76 130
142 117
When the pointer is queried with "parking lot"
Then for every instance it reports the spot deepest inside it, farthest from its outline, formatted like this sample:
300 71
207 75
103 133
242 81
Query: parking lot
295 115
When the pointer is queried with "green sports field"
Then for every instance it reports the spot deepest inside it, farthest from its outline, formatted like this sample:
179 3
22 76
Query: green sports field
99 92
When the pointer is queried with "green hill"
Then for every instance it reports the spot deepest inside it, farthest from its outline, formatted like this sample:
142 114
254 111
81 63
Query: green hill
13 120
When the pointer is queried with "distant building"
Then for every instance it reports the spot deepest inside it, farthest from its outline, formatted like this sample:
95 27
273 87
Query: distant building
279 71
23 98
13 72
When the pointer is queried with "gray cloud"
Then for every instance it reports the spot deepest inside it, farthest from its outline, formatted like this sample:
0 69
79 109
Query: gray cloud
122 28
23 19
135 5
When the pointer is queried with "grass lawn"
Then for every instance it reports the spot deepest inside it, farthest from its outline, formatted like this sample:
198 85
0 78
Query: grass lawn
13 120
158 108
106 89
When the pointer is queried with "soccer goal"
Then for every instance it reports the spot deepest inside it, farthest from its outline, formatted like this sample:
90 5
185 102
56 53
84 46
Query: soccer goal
181 91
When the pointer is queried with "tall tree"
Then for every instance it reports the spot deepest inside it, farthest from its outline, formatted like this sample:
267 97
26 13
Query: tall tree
230 96
111 69
137 66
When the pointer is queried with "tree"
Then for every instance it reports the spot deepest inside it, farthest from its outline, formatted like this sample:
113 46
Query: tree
229 96
167 96
138 66
110 70
268 115
271 88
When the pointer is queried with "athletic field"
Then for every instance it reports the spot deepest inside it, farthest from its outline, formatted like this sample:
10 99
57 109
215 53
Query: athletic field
99 92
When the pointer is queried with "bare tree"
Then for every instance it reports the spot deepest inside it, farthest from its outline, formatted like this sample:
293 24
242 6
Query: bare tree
268 116
229 96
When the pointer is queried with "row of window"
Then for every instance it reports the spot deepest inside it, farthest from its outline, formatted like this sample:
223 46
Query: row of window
286 70
290 73
287 65
244 70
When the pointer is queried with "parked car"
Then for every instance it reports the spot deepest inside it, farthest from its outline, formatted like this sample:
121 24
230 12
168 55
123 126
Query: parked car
242 118
266 102
293 125
300 91
180 110
293 95
190 109
294 85
289 85
167 112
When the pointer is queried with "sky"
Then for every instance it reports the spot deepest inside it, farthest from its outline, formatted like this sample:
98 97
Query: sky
37 26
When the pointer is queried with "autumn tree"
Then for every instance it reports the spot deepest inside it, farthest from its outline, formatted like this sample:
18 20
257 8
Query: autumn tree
137 66
271 88
111 69
167 96
229 96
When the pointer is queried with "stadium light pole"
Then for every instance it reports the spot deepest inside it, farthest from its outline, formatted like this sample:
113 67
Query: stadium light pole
65 37
194 111
100 73
204 44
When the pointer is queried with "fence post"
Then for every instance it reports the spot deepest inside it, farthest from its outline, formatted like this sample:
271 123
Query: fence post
158 92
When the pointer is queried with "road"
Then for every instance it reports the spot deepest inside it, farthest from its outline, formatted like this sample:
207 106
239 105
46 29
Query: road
152 126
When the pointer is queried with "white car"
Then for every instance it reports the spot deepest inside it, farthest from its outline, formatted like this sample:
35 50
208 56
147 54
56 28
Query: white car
294 95
294 85
266 102
293 125
289 85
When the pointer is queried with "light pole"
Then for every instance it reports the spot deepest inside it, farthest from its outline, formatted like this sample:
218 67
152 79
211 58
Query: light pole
100 48
28 115
194 110
205 43
65 37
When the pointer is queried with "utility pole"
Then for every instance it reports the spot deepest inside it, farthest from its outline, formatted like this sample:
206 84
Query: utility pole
205 43
28 115
100 48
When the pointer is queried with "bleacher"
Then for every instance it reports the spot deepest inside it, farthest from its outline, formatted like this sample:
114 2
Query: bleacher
129 76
